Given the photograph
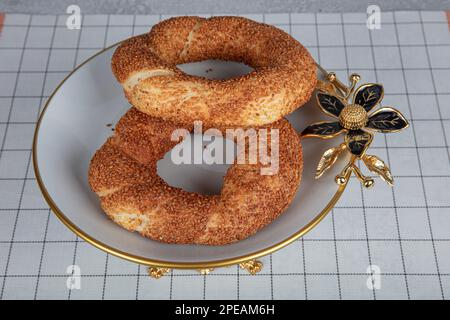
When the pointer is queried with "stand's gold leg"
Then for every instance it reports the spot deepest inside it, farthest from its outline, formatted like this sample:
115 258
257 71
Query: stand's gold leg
205 271
156 272
252 266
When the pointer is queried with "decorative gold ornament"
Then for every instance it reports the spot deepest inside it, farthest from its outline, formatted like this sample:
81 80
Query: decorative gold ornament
357 121
252 266
156 272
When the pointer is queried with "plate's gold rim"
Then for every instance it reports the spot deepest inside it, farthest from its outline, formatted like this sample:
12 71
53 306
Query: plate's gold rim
160 263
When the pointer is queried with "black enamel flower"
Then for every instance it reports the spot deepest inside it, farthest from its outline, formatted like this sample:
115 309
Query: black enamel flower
356 118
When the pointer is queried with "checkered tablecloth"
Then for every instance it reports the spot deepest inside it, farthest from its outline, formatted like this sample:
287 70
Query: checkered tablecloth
404 231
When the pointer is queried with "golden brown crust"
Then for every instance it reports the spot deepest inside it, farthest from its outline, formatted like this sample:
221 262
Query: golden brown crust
123 174
284 76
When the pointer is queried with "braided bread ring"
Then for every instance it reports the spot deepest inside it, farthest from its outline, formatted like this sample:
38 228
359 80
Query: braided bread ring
284 76
123 174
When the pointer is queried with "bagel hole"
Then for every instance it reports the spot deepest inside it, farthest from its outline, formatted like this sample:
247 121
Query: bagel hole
216 69
205 177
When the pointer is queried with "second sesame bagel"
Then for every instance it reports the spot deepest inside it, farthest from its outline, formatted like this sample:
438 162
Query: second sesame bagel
123 173
283 78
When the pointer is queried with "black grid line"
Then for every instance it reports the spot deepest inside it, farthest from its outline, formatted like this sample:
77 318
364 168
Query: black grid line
105 277
411 120
334 69
298 240
218 274
431 45
438 104
42 254
304 268
107 254
336 207
386 94
238 274
338 278
372 147
138 277
270 255
448 155
445 141
171 285
333 224
204 287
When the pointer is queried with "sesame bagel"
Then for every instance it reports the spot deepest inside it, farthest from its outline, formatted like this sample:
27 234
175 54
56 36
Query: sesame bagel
283 78
123 173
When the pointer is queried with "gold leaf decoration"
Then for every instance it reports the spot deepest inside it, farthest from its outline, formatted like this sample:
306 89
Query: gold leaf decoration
378 166
328 158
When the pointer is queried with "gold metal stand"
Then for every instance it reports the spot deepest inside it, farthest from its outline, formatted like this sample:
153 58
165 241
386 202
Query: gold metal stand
157 272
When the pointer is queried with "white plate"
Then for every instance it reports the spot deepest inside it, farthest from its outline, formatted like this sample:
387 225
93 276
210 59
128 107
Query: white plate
73 126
